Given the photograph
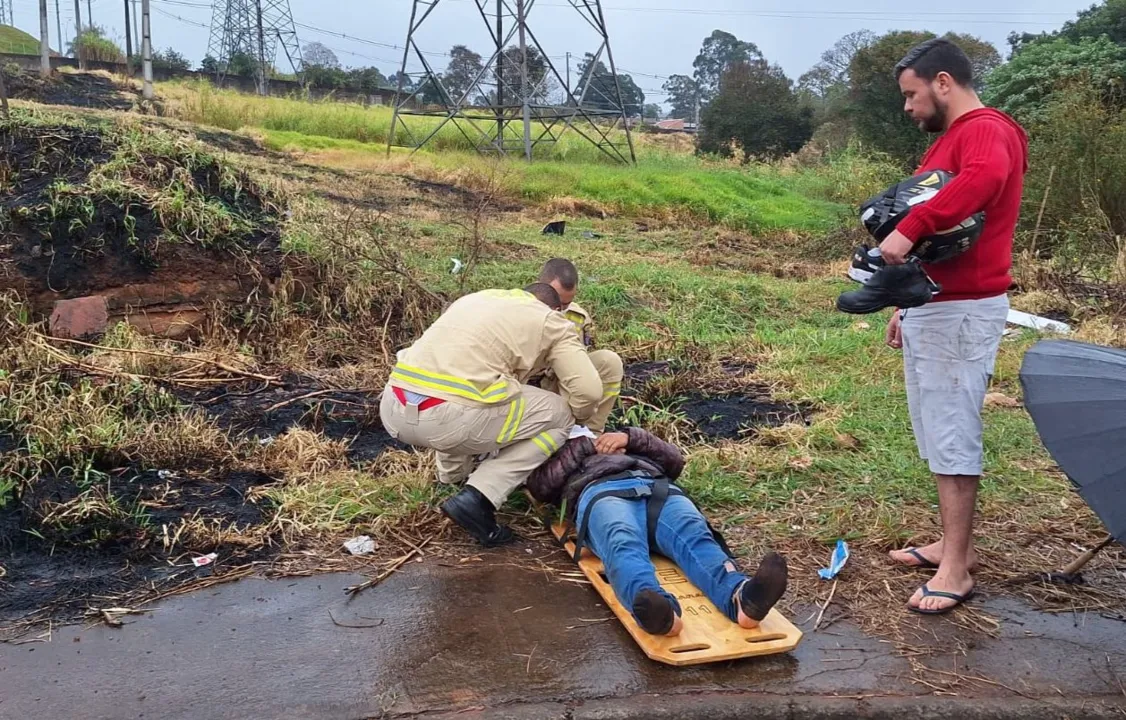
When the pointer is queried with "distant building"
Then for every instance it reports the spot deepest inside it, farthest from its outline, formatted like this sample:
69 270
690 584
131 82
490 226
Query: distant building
675 126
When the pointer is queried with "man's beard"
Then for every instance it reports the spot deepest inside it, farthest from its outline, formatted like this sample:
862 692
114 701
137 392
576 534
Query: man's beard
936 123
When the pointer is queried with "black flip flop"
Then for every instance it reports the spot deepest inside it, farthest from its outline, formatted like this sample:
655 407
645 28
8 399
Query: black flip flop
924 564
959 600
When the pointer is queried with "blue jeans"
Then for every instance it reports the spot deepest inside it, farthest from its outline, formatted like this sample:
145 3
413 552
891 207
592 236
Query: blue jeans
617 533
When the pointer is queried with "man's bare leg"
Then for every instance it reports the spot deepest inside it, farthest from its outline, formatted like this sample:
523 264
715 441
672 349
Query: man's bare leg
957 497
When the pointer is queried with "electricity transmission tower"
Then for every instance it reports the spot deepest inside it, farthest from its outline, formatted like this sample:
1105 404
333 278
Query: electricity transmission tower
518 100
251 31
6 17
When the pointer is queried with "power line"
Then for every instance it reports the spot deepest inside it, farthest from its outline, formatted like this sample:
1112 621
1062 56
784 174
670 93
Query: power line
183 20
832 14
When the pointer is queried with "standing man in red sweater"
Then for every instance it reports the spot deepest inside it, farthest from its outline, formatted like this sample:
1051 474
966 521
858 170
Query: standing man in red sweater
950 345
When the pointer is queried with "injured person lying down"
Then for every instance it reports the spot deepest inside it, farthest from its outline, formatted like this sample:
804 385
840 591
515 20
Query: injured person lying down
617 491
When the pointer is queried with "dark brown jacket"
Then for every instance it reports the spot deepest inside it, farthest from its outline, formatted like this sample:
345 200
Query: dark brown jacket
577 464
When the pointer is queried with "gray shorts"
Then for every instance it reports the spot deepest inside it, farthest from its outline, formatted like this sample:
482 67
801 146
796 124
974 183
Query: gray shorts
949 352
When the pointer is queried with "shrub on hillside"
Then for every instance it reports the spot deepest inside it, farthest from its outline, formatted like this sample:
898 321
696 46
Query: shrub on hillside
1078 172
93 45
849 174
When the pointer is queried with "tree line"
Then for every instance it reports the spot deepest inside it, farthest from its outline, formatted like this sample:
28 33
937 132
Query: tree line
466 81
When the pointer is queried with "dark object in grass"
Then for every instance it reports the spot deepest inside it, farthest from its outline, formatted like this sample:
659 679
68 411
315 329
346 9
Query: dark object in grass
641 373
557 227
729 417
1061 578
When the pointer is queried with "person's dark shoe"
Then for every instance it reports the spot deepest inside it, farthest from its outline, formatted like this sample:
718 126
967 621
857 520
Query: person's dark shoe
474 513
865 262
762 592
902 286
654 613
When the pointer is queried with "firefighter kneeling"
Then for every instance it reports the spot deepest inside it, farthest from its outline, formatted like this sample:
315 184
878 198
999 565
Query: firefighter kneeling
455 390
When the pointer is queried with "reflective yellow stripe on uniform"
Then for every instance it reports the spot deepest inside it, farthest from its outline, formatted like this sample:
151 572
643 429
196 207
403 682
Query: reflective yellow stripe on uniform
611 390
577 320
512 422
545 442
514 294
495 393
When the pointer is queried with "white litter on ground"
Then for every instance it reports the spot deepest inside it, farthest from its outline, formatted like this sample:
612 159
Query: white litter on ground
360 545
1035 322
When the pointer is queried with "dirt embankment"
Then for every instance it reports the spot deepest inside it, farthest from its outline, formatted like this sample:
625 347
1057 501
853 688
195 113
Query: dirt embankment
154 223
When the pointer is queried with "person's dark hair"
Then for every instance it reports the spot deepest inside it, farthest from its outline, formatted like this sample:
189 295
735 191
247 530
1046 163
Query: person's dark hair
545 294
939 55
562 270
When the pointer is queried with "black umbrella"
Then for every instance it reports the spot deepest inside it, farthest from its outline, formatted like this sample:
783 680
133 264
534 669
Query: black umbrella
1076 395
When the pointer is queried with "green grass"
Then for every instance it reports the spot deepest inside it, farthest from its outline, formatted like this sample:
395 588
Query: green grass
662 187
199 102
857 463
14 41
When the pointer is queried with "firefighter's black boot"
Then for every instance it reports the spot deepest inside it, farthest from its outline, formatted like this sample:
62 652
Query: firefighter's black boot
474 513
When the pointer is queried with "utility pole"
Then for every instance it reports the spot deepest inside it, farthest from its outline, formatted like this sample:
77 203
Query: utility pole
263 79
44 41
59 27
146 49
78 36
568 73
136 26
525 91
128 38
697 109
89 14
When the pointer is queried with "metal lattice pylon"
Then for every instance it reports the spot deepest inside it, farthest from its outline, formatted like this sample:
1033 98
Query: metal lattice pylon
6 15
507 110
253 29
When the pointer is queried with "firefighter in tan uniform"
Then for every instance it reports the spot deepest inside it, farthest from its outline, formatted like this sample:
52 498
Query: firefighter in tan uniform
564 277
458 390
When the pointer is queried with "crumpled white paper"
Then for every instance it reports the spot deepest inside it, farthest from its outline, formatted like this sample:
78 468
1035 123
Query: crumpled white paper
581 431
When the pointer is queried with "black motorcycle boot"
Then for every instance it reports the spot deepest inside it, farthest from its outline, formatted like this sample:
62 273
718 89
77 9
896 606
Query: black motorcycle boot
902 286
474 513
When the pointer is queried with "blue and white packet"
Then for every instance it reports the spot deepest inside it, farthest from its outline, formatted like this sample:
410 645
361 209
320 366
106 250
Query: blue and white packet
836 562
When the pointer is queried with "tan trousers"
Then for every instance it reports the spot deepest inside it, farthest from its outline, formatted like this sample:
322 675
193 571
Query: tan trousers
523 433
610 368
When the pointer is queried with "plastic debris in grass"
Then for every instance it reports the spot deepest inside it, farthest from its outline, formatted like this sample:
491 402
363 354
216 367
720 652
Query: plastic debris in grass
836 562
205 559
360 545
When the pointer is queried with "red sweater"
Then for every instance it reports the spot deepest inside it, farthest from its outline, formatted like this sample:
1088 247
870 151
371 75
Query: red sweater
987 151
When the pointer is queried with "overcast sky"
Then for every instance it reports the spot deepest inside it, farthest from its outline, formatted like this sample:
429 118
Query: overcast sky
650 38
